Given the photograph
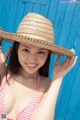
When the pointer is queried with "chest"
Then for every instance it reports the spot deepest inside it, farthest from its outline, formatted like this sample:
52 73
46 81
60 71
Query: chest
17 98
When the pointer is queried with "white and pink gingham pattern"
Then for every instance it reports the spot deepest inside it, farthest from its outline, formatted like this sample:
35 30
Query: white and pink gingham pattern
2 106
27 112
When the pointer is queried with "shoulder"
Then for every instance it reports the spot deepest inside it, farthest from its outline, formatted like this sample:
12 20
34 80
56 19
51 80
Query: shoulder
5 79
45 83
3 71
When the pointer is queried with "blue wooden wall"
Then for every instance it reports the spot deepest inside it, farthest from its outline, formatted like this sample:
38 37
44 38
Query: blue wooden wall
66 21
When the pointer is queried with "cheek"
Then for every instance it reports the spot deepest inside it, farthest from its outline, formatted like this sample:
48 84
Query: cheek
43 59
21 58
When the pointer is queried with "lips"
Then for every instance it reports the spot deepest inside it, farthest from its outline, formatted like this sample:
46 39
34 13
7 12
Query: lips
31 65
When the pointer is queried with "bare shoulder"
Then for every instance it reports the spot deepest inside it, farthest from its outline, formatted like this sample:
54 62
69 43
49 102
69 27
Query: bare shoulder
5 77
45 83
2 76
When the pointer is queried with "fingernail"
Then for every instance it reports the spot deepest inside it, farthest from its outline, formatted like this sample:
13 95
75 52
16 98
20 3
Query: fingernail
76 57
73 50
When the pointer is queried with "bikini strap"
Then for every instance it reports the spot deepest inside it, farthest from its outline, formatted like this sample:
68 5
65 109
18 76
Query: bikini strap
38 84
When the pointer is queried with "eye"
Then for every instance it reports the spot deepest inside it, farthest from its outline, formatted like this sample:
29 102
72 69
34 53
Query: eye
41 52
25 50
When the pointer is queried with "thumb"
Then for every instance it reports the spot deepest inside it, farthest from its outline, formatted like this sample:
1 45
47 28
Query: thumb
57 60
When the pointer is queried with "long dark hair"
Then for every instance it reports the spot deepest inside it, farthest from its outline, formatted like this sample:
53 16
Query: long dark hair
14 65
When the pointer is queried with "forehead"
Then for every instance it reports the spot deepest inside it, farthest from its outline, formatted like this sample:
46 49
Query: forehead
32 47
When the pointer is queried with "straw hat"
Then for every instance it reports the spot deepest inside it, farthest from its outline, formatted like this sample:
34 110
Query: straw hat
36 30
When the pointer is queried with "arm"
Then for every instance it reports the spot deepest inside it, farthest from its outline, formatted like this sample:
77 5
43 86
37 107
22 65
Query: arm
46 108
3 59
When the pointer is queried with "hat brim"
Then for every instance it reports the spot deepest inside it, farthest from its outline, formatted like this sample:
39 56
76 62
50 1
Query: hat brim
57 50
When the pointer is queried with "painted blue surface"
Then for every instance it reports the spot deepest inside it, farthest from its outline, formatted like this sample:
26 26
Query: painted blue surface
66 22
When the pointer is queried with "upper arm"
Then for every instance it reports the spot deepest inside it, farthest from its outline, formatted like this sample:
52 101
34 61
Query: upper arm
45 84
2 73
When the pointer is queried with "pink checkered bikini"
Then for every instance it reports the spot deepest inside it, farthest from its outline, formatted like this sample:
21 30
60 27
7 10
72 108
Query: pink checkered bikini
26 113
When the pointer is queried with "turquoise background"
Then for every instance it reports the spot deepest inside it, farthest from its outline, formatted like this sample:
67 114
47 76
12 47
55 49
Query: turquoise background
66 21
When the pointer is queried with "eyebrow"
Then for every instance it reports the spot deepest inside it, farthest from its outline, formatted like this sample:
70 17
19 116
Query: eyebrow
25 46
30 48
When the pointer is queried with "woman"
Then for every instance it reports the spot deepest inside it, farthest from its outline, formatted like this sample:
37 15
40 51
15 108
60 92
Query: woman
26 93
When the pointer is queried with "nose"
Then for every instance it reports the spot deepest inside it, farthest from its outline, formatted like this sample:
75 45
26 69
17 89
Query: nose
32 58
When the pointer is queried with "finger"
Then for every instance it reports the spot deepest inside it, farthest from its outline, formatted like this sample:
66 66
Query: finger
0 45
7 53
0 49
69 63
73 51
0 41
74 61
57 60
66 61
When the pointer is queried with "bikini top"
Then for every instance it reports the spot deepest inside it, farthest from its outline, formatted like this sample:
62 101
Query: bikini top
27 112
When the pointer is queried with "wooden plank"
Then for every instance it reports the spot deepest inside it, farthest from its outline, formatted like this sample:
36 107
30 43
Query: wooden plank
37 7
64 96
69 116
11 15
28 8
66 24
74 104
4 17
69 80
7 20
73 28
74 100
72 107
57 19
45 8
32 6
14 12
19 13
53 10
77 114
43 2
33 1
1 9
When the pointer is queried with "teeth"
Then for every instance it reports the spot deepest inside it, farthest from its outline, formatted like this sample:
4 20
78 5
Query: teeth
31 65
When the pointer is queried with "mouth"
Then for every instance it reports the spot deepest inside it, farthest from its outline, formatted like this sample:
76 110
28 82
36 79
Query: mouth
31 65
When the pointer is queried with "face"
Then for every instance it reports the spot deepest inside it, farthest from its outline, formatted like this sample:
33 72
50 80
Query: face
31 58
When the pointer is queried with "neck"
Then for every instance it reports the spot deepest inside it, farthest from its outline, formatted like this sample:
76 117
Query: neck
25 78
27 75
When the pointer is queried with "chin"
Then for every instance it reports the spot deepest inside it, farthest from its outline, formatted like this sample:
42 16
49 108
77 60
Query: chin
31 72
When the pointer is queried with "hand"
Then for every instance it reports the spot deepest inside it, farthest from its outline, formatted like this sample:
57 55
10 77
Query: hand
61 70
3 57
